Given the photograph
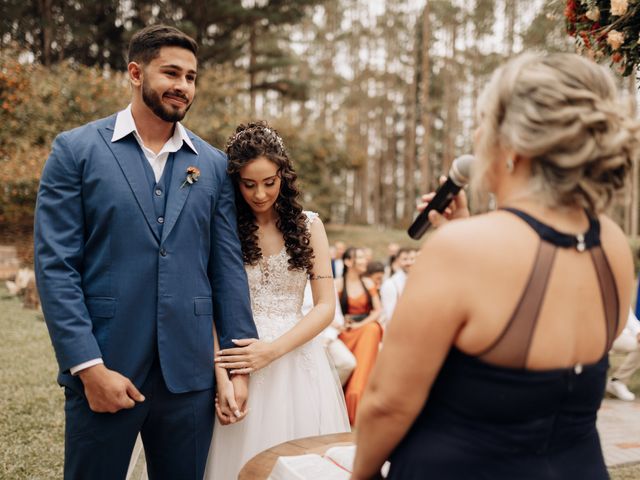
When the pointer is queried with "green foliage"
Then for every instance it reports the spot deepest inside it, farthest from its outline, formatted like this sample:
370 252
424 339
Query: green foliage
546 31
36 103
318 161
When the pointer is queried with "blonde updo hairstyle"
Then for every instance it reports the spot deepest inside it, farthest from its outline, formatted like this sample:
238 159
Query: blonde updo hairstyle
562 112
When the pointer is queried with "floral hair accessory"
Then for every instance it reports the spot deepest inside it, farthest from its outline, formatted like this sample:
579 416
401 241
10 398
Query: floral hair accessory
264 128
193 174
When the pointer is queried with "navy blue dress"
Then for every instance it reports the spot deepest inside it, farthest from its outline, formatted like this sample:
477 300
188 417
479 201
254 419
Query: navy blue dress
487 417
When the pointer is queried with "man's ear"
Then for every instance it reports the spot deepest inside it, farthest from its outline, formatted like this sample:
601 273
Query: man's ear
135 73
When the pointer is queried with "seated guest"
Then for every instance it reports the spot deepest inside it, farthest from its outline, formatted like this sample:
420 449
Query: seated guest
336 260
361 332
375 272
495 363
392 253
392 287
627 342
340 356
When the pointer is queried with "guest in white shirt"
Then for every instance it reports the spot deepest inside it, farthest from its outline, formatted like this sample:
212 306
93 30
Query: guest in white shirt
627 342
340 356
393 286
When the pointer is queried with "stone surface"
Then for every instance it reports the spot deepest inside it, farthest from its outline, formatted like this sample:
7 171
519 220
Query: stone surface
619 427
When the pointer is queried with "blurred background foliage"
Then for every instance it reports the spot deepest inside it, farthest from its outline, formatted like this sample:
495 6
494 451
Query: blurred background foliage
374 99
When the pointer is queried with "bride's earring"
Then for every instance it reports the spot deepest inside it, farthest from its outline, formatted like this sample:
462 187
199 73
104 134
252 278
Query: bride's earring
510 165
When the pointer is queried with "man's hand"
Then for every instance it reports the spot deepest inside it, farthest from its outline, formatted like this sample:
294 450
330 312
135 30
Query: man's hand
227 409
458 208
253 355
107 391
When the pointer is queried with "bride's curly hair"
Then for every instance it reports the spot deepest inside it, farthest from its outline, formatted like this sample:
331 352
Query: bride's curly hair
257 139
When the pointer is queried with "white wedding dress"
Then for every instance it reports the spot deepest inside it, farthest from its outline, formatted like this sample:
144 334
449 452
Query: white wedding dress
297 395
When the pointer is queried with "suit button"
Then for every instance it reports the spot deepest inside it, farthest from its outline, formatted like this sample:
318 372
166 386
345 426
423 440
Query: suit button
160 219
158 192
163 253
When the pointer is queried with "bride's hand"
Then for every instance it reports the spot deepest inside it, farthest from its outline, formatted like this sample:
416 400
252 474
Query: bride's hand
252 355
226 406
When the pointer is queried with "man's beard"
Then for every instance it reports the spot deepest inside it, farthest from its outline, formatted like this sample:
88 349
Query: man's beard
154 102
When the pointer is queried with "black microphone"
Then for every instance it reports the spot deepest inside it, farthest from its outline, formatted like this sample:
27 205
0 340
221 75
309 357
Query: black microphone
458 178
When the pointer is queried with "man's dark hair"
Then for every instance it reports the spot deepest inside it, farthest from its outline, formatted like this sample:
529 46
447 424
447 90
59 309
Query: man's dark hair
146 43
375 267
405 250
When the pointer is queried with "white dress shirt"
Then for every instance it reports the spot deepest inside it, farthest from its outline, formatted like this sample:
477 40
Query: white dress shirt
125 125
390 292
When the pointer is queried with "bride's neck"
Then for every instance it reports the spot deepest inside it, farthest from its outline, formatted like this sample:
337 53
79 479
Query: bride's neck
264 219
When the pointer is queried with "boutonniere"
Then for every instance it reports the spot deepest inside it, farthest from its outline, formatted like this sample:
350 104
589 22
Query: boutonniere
193 173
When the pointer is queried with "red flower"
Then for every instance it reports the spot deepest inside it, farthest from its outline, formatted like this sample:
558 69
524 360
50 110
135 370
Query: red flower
585 39
570 10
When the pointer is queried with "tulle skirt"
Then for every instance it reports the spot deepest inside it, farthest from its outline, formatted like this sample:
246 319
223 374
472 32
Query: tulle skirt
298 395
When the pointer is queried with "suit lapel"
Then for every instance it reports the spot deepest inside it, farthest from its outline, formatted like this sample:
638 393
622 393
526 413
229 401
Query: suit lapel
127 155
178 194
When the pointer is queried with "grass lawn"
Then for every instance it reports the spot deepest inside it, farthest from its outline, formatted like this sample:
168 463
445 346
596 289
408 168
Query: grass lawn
373 237
31 403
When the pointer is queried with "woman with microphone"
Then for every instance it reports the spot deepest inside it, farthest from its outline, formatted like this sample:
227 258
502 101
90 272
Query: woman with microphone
495 362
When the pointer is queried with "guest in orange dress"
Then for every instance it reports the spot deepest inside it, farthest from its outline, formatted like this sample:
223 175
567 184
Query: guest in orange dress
361 333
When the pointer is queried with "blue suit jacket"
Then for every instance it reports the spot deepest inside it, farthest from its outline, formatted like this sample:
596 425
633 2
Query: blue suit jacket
110 287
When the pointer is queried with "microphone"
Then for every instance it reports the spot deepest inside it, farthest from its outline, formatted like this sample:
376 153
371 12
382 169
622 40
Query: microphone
458 178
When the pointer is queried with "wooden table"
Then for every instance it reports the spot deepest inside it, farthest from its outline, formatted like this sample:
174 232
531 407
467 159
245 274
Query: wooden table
260 466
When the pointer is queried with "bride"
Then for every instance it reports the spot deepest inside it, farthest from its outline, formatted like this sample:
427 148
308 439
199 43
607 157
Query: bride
292 390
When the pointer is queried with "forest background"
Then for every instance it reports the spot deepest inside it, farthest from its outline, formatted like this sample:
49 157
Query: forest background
374 99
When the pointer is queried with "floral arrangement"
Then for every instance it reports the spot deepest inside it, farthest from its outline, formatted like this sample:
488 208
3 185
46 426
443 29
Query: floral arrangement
606 29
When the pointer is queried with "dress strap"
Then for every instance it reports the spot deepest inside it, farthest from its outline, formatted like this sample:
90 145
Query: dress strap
512 346
311 217
609 293
581 242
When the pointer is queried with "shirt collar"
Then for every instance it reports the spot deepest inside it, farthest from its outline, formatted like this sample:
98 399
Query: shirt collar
126 125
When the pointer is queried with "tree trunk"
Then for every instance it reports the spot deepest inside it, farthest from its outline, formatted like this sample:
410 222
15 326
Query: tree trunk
425 173
395 164
510 13
252 71
379 170
364 173
46 31
450 101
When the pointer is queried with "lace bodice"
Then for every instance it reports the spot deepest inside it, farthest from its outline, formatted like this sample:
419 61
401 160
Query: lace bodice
277 293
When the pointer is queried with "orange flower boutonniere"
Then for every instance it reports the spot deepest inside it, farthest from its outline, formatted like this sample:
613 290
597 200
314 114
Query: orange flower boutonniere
193 173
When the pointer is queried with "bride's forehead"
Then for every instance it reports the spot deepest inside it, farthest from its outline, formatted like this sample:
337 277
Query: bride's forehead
259 169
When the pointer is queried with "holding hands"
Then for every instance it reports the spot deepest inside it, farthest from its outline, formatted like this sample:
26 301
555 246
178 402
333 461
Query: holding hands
231 398
252 355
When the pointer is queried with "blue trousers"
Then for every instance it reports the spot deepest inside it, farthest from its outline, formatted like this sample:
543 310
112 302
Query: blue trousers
176 432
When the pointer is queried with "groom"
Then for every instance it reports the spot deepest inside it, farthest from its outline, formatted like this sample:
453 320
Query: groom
137 256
